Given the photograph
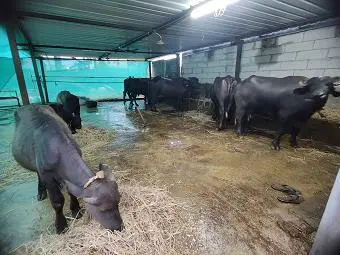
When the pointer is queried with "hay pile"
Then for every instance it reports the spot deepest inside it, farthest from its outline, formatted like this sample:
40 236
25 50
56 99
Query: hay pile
154 221
153 225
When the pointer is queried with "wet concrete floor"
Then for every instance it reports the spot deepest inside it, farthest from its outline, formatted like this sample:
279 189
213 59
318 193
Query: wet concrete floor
225 179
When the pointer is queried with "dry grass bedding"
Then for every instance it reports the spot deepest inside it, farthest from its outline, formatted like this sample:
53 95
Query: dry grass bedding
154 221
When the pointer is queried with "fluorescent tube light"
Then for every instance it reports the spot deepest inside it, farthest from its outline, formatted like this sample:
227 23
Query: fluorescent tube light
210 7
165 57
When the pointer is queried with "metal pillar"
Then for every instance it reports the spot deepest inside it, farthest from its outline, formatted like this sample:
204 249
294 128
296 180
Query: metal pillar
37 76
178 66
164 67
17 63
327 240
238 59
44 79
150 70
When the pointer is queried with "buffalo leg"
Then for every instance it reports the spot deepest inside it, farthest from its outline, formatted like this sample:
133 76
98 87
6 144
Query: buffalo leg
276 141
42 193
222 117
74 207
216 111
131 100
295 132
282 130
240 121
57 200
134 98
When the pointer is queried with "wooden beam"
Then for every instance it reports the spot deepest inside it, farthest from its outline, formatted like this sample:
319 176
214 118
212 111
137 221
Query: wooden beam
10 28
238 59
44 79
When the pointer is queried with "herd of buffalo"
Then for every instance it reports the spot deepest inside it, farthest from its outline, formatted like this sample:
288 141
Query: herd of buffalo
291 100
43 140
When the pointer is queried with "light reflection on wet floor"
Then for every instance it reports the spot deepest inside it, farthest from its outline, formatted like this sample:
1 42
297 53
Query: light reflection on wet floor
22 217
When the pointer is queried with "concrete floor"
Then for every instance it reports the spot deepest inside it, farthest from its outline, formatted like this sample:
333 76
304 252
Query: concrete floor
224 179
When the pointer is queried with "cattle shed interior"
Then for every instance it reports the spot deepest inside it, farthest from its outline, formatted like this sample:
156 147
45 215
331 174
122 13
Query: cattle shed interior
185 187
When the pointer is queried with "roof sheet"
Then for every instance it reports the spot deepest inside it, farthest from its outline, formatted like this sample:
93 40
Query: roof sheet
112 23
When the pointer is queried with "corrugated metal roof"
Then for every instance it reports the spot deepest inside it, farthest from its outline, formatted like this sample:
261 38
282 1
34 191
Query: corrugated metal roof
110 24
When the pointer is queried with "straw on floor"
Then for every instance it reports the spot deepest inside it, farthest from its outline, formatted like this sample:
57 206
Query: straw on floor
154 221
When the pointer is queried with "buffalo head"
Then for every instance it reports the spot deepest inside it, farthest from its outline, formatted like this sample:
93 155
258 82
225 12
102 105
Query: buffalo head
318 87
101 197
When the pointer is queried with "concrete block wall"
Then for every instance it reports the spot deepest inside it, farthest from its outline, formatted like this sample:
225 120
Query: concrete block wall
311 53
206 66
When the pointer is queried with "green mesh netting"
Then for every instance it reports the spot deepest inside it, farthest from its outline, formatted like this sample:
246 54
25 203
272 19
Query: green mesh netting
88 78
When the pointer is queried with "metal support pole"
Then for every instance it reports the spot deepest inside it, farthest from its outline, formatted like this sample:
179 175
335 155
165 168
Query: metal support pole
44 79
238 59
17 63
37 76
150 70
327 240
178 65
164 68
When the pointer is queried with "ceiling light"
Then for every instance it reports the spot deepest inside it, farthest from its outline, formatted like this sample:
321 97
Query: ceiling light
210 7
165 57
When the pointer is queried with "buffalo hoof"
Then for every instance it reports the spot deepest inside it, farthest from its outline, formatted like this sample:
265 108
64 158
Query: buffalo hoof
240 133
77 214
275 146
294 144
73 131
60 225
42 196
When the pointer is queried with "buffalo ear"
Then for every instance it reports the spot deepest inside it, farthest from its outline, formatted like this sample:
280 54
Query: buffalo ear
301 90
105 169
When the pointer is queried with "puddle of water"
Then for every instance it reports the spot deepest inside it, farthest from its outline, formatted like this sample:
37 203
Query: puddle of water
115 117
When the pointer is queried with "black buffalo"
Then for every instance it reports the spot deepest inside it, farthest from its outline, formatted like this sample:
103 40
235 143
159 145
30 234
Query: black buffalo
71 120
134 87
43 143
222 95
174 89
191 84
291 100
71 105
